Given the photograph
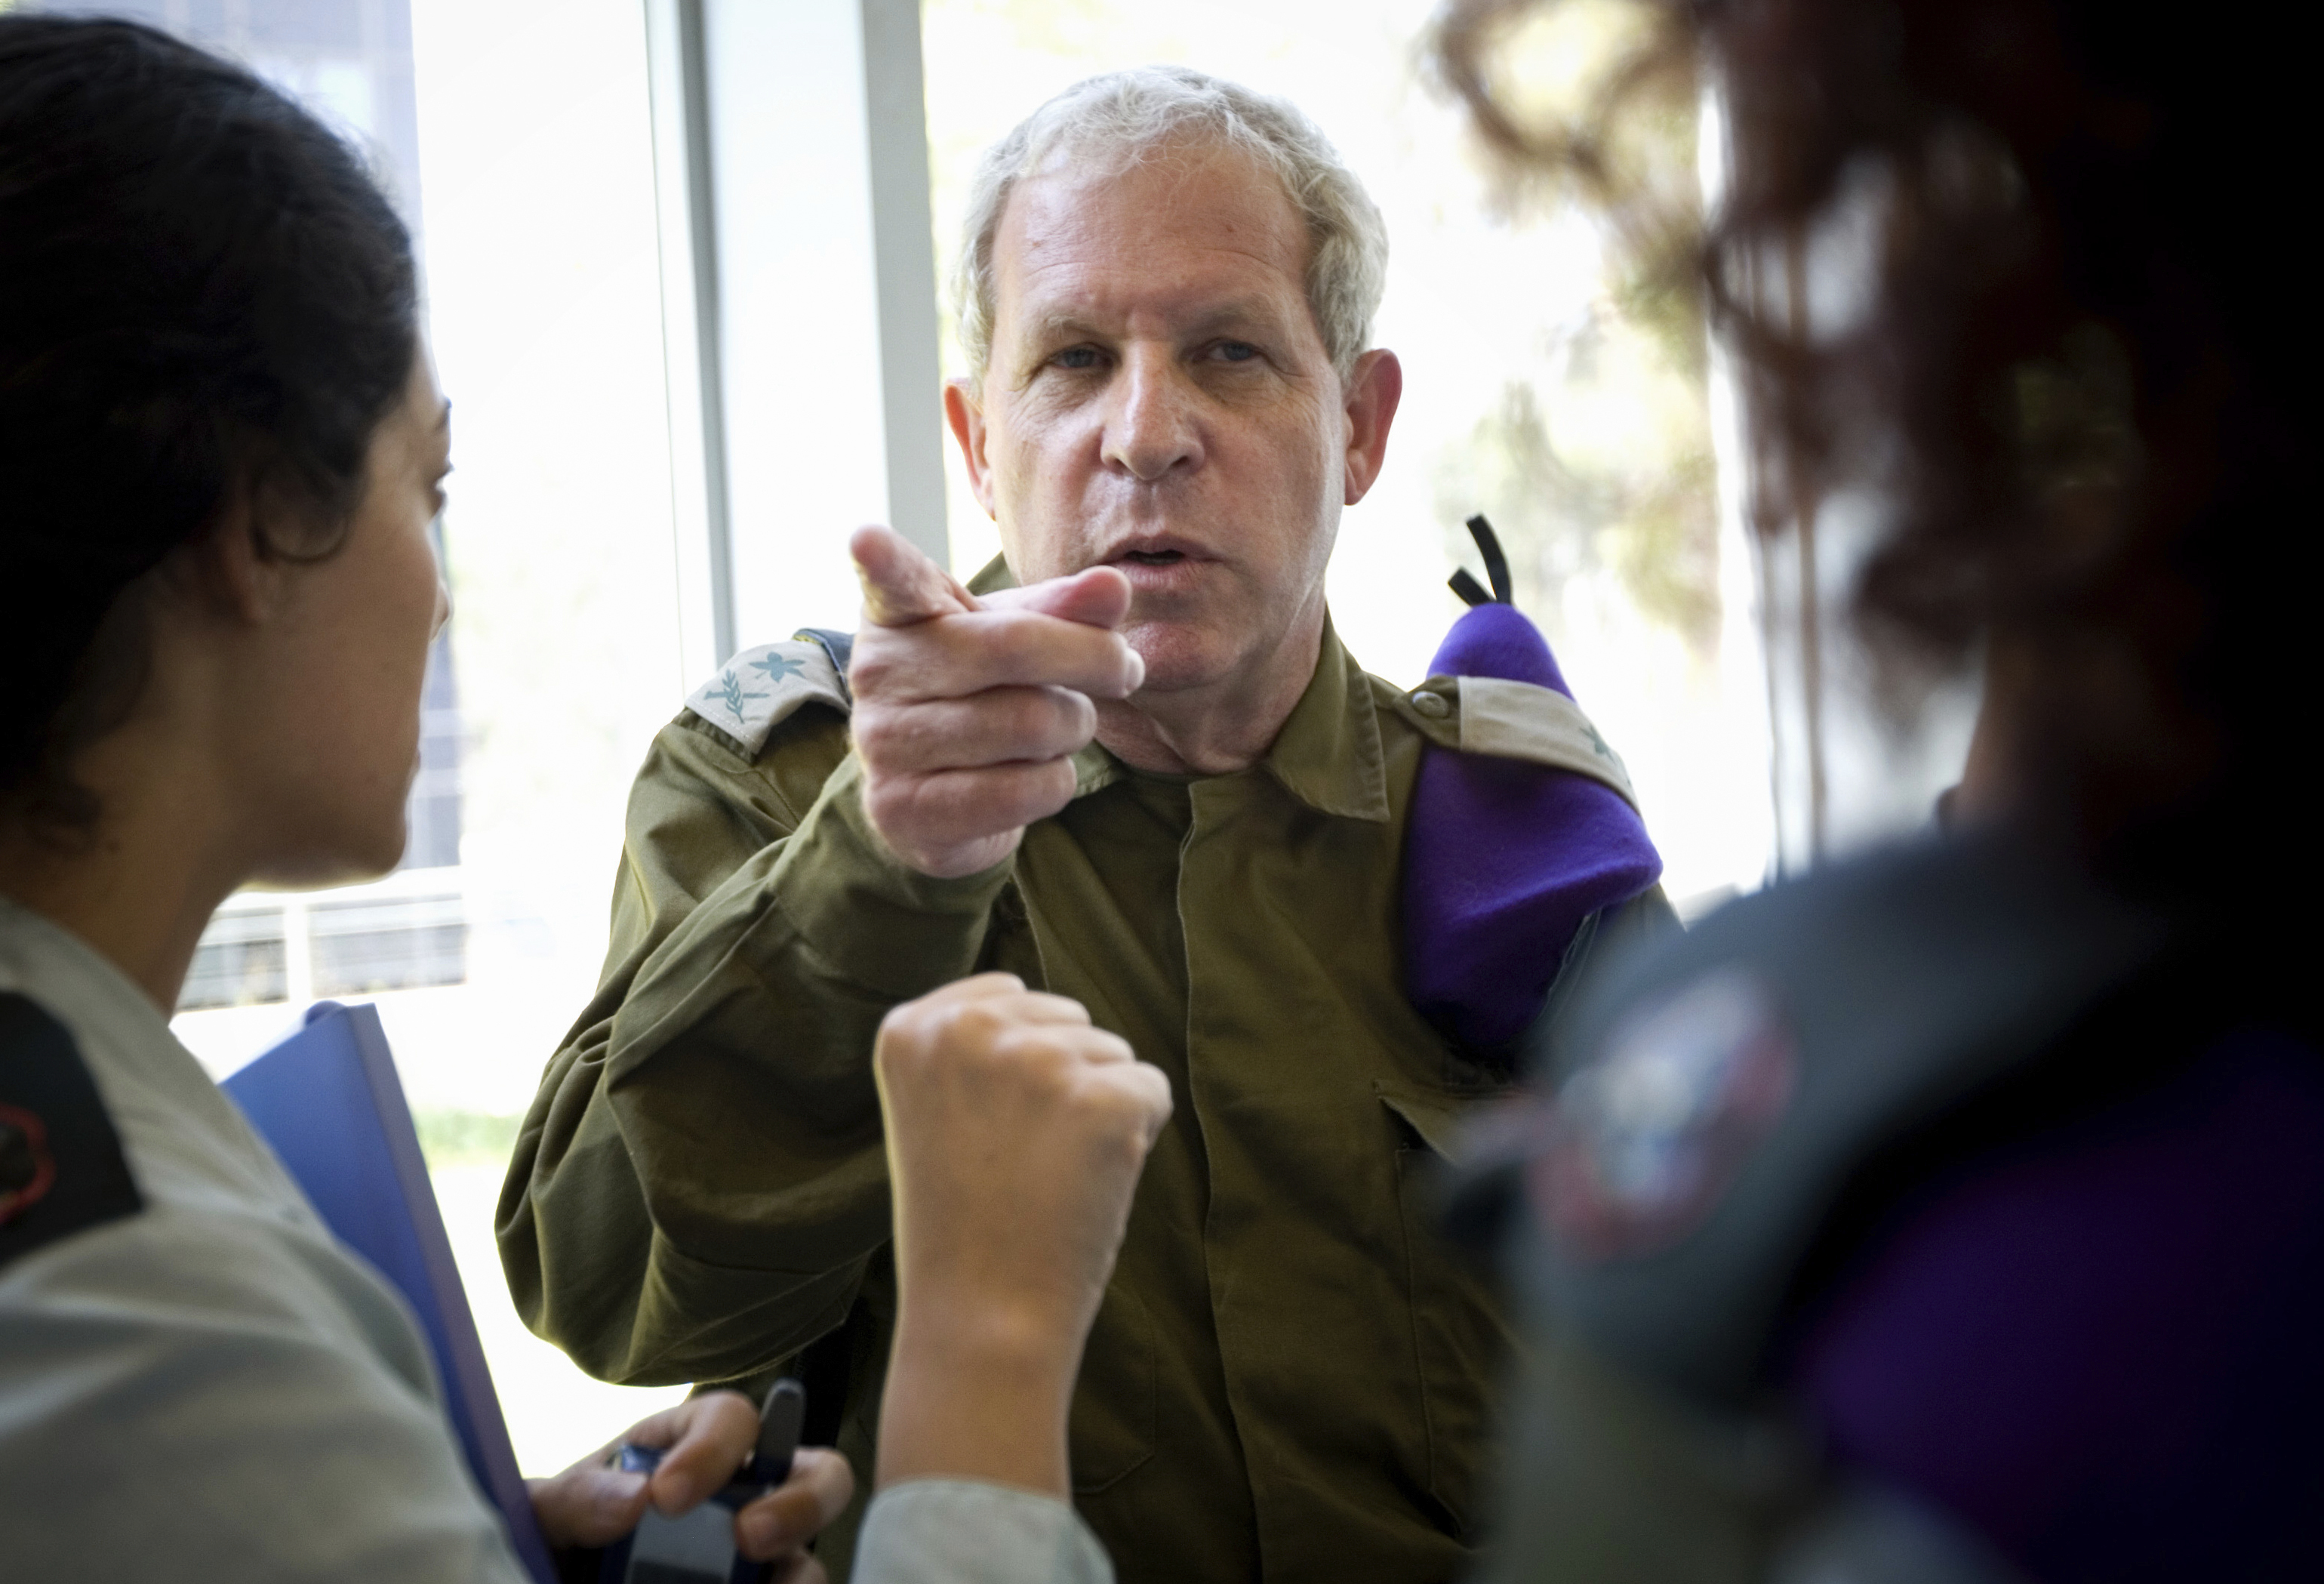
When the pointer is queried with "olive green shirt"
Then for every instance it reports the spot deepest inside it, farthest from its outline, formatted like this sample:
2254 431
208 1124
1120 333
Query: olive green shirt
1288 1378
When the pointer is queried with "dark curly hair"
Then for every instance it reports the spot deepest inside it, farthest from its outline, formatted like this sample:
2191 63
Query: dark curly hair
2081 382
205 301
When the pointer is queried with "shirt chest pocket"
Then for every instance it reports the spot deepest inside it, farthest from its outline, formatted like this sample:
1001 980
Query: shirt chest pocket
1462 1334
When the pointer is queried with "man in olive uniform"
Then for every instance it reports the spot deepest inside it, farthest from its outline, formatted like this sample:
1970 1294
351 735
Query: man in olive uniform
1149 779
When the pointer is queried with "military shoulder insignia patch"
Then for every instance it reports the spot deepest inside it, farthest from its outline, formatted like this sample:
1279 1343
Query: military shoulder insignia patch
1645 1138
761 688
61 1169
1518 720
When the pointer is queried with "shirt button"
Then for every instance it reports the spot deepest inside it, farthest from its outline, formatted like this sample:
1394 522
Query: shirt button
1435 706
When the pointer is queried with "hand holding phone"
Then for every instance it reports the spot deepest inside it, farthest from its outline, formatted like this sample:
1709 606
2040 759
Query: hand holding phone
697 1547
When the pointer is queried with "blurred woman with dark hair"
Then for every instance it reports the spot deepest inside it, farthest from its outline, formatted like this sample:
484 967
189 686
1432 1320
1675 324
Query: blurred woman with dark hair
221 448
1962 1208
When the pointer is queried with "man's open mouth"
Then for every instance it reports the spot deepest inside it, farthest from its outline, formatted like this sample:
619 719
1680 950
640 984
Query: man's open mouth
1156 557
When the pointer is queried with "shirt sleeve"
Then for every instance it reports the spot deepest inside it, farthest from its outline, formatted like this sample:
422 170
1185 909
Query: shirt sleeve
216 1397
702 1183
967 1532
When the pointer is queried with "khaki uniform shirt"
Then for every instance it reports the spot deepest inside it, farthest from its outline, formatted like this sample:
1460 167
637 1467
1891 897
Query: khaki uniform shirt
1288 1378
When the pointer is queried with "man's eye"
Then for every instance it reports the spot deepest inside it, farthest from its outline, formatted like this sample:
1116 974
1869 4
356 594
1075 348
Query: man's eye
1235 351
1077 358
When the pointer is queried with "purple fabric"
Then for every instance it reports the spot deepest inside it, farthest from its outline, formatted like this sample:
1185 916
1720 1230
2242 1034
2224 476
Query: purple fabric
1498 640
1504 859
2104 1347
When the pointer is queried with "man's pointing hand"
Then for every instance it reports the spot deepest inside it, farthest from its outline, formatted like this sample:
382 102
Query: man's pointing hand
968 711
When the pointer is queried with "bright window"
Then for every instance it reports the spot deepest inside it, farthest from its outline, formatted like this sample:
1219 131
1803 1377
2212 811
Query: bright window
517 141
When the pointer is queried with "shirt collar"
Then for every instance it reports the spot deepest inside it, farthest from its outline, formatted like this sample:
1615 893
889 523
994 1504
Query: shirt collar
118 1028
1327 756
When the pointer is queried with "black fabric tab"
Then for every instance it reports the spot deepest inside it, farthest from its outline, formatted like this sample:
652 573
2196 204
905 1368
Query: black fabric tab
61 1169
1497 568
1471 591
1497 565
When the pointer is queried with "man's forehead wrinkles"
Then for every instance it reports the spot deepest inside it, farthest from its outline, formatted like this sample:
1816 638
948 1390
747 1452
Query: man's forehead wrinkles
1150 253
1099 293
1243 249
1237 209
1082 301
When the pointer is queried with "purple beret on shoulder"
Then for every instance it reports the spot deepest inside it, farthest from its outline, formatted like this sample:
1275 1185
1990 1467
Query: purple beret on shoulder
1504 859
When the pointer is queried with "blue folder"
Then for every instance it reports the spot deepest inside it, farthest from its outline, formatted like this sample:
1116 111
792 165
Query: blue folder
329 1101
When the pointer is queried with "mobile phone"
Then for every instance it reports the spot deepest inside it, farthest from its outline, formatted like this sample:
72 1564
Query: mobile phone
698 1547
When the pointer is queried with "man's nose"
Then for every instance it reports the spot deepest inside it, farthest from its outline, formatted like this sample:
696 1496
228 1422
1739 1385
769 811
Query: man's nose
1152 428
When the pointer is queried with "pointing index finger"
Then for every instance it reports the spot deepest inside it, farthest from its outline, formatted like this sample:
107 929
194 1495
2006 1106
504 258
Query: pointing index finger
901 586
1096 596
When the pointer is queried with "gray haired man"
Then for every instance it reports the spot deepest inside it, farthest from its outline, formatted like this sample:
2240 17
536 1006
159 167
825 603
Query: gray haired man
1133 766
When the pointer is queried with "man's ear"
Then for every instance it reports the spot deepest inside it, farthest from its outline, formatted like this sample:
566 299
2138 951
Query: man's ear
965 416
1373 391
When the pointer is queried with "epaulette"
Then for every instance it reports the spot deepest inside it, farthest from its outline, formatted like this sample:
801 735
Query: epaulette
760 688
1505 719
61 1170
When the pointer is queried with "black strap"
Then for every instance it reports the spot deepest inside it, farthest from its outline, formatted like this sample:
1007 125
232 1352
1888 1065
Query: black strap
1497 567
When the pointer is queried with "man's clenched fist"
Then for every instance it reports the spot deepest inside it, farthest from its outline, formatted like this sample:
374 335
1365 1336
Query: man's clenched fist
967 711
